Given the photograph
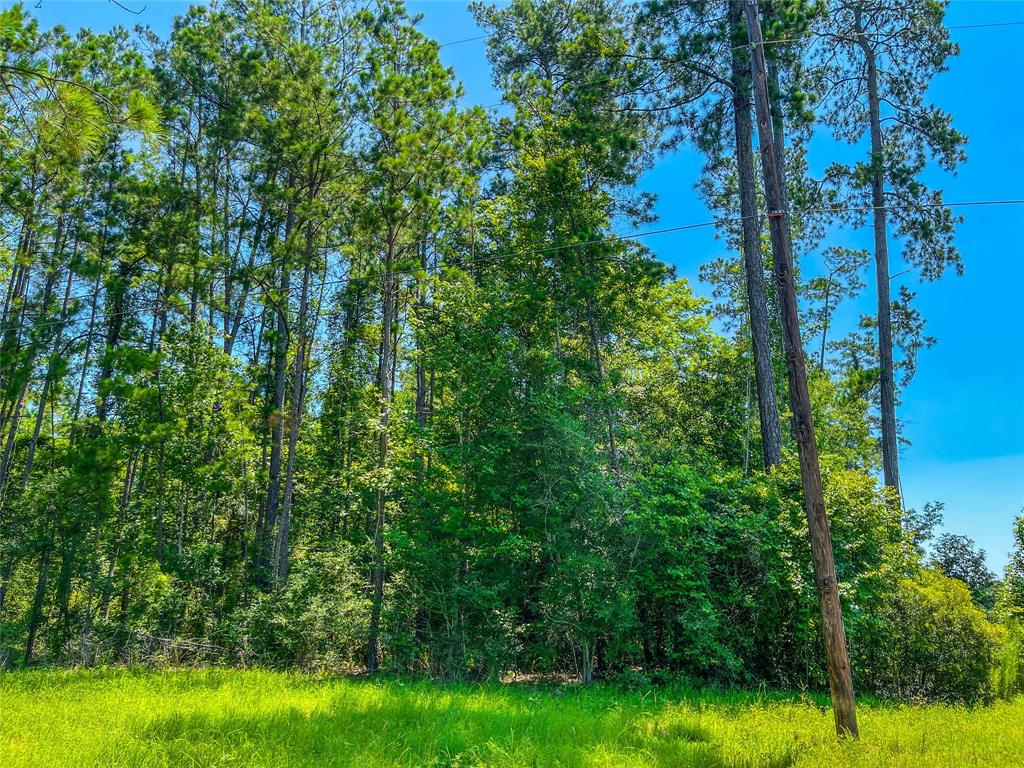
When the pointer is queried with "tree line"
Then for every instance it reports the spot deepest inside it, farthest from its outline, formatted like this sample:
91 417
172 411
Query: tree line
305 362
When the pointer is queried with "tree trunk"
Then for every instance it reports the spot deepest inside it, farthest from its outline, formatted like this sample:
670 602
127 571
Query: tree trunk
27 365
757 302
47 383
422 383
586 663
267 557
295 418
840 678
86 357
231 330
887 380
384 385
825 322
13 316
36 614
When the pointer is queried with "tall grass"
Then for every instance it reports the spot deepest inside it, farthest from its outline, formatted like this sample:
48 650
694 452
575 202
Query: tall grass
1007 675
260 718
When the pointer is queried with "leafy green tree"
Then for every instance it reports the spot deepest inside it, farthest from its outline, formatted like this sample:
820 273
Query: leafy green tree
577 145
826 292
958 558
1009 608
1011 596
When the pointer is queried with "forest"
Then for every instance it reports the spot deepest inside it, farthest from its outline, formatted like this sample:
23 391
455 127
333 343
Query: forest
307 364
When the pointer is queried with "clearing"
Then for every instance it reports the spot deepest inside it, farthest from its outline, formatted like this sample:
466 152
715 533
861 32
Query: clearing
223 717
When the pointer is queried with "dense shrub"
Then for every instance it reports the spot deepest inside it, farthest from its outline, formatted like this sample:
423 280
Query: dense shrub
941 645
315 623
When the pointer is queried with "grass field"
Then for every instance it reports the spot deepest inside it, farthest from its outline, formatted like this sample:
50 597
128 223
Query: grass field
257 718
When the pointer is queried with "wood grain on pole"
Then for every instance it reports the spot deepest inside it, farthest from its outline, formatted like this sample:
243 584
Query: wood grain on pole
839 675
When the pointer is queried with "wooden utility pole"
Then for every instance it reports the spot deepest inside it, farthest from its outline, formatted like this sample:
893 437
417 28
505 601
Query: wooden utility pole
839 677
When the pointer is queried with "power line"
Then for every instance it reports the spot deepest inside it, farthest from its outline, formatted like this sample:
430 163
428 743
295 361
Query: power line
495 258
463 40
640 234
779 41
782 40
979 26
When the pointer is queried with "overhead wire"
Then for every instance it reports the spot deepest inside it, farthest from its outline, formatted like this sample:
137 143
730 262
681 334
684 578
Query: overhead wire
499 257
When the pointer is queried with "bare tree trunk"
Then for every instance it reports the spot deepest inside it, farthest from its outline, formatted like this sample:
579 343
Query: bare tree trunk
264 576
86 356
840 678
757 302
156 343
887 379
47 382
231 331
587 662
36 614
295 419
260 529
13 316
422 384
353 304
825 322
27 365
12 436
384 385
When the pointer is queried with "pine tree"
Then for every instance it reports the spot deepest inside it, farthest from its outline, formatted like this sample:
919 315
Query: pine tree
875 65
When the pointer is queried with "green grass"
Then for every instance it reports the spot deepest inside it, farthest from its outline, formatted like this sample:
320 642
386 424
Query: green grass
260 718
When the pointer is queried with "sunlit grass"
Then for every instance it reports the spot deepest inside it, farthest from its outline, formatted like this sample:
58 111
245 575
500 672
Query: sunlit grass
260 718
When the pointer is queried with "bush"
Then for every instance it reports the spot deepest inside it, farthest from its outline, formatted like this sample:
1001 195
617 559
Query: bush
317 622
941 647
1008 677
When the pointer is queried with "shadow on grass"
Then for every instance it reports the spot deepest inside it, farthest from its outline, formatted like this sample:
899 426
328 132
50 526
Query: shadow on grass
407 728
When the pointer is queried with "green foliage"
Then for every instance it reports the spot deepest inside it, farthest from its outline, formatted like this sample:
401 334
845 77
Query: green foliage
958 558
1008 674
296 349
941 646
1010 603
688 528
314 623
73 120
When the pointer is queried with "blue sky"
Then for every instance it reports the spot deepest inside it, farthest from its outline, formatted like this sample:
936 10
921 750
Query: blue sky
964 412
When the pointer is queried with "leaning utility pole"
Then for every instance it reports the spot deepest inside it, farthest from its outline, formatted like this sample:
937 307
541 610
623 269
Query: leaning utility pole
839 677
